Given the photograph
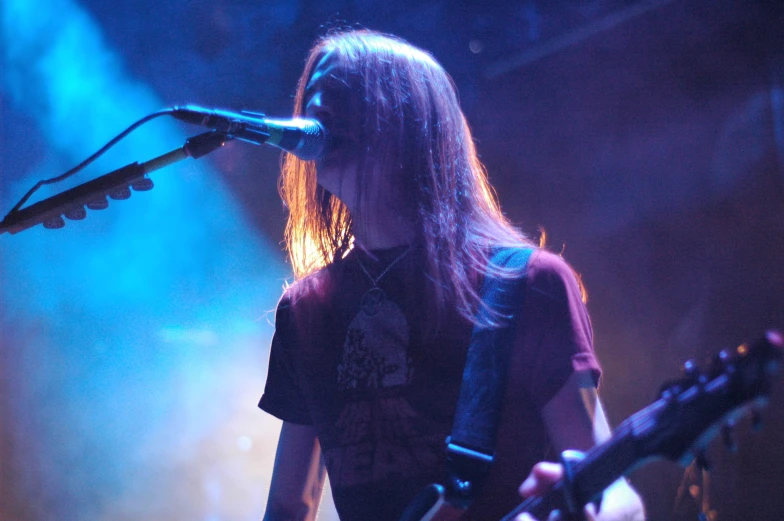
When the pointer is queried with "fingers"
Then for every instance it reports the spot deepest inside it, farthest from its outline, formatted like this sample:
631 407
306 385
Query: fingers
590 512
541 479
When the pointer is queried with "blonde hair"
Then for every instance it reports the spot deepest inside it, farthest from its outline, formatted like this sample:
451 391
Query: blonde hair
412 120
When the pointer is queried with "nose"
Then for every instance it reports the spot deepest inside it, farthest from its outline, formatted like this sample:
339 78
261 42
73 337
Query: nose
317 109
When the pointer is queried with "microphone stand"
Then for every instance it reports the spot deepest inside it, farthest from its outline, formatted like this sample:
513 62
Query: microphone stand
116 185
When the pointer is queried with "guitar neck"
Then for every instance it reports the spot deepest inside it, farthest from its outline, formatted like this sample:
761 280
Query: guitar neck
601 466
674 427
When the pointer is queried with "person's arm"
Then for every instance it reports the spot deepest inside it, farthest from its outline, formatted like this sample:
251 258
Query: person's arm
575 420
297 477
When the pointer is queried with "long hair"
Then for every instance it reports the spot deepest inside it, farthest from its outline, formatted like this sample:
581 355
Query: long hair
411 119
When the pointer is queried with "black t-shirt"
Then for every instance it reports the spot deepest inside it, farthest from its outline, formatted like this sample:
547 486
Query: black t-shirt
351 358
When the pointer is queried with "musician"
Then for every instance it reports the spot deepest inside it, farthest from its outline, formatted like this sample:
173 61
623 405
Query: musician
389 234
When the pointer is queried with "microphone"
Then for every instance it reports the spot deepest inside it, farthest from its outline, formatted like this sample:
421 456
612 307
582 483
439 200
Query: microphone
305 138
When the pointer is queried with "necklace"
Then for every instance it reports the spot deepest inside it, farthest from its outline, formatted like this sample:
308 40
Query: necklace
375 297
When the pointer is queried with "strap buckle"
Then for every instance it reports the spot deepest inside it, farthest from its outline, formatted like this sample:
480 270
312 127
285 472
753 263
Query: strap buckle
467 469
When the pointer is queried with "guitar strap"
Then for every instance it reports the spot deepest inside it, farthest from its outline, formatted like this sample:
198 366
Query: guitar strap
471 446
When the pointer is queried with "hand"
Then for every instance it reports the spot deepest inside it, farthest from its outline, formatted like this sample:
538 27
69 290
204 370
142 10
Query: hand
619 503
541 479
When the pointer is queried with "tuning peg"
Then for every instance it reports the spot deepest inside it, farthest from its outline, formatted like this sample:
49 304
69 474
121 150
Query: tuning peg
692 373
670 390
726 436
726 357
701 461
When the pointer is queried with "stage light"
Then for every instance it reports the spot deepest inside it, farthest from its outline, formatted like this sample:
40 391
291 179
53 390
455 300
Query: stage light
183 257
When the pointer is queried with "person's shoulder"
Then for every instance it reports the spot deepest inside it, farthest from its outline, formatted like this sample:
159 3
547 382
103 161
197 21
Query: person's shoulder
550 274
540 263
544 262
312 289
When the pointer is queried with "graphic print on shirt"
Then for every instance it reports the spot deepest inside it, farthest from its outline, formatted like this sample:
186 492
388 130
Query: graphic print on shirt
375 353
378 432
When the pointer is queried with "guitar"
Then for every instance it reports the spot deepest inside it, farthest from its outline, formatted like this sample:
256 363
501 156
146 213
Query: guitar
690 411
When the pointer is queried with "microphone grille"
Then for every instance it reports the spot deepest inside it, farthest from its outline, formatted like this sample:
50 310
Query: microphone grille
312 141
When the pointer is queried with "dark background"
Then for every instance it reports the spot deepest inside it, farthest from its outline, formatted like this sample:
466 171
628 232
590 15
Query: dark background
645 138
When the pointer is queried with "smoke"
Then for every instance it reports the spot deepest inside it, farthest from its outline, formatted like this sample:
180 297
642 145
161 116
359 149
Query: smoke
132 351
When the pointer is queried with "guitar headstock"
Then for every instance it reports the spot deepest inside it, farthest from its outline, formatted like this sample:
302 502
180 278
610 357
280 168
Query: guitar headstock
693 409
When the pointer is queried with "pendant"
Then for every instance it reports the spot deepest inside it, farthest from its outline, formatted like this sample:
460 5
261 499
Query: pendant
372 301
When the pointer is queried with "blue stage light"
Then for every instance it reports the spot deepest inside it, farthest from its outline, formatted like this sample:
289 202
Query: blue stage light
109 402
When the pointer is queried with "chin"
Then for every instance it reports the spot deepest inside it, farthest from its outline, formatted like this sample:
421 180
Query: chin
328 176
